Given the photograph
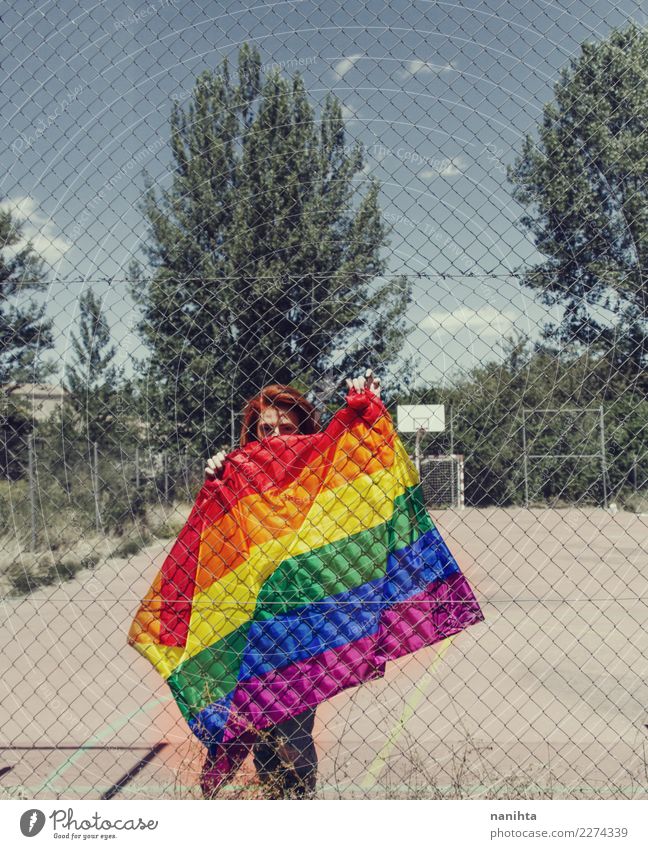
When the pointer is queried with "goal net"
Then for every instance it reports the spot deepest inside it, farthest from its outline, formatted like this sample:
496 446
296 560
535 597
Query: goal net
442 480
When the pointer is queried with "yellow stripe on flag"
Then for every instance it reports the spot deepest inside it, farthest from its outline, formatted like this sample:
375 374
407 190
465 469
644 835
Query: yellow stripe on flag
358 506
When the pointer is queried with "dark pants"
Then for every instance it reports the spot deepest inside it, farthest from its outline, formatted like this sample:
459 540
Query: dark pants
284 756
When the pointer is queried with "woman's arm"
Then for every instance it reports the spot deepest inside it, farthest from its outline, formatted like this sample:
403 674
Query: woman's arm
364 397
362 401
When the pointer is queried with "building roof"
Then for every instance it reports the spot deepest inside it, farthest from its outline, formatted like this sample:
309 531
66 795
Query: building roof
36 390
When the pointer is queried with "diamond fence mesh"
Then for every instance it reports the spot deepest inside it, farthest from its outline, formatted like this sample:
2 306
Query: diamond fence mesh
199 201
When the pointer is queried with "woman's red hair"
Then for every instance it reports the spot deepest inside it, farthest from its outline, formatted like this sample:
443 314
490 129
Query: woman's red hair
284 397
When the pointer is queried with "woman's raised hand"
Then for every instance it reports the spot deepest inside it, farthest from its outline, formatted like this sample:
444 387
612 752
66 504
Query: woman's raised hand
368 381
214 467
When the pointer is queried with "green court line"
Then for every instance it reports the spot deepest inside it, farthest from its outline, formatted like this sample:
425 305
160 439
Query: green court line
96 739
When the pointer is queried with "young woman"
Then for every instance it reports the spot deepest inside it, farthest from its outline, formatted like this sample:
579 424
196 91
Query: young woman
284 755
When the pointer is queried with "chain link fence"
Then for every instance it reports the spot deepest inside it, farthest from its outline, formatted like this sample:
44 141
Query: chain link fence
201 200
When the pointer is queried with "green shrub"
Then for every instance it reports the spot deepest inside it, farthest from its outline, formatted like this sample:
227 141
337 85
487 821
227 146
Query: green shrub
131 546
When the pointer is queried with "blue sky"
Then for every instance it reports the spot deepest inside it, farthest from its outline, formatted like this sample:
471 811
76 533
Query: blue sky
441 94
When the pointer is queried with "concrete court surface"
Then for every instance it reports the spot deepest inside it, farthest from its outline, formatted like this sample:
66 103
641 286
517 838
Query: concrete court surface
547 697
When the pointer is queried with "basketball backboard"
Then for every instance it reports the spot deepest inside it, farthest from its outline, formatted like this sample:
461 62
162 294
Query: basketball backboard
412 417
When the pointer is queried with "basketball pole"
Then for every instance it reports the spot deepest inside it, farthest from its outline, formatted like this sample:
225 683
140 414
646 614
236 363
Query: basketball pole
417 449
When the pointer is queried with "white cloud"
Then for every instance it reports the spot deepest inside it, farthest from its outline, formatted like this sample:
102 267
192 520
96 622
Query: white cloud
344 65
418 67
350 113
37 228
444 168
487 321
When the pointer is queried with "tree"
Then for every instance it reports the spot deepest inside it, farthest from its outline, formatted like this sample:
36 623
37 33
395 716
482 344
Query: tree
265 254
24 331
92 378
585 183
16 428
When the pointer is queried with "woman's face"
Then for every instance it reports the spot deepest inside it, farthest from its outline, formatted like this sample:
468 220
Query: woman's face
277 421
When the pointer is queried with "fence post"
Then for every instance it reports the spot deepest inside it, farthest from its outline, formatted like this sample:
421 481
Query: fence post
461 497
185 471
165 469
32 490
525 461
603 463
451 430
95 487
137 468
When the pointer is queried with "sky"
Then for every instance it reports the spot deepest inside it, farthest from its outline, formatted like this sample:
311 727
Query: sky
441 94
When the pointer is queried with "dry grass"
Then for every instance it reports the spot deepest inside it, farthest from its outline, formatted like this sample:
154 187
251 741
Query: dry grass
166 521
637 503
22 571
13 793
67 551
411 773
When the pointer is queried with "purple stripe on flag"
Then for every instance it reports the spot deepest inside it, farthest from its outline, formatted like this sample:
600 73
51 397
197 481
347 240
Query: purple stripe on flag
282 693
443 609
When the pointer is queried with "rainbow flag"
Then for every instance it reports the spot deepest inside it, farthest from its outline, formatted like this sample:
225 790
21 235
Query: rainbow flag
301 572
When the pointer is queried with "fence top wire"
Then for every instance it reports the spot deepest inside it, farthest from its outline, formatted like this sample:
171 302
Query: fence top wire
419 275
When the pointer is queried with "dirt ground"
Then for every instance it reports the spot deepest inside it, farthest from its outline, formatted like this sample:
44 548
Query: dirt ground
546 698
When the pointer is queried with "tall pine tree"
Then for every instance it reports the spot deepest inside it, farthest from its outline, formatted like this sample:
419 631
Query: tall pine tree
265 254
92 378
24 331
